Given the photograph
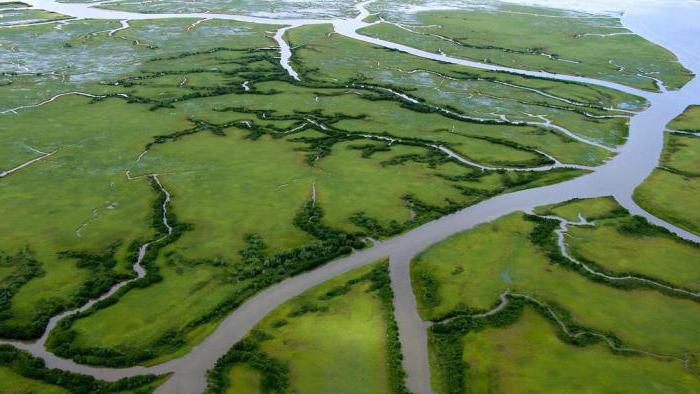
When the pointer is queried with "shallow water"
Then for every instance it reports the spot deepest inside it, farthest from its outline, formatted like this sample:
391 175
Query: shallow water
673 26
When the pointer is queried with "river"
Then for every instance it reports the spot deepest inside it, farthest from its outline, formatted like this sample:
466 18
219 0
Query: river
673 25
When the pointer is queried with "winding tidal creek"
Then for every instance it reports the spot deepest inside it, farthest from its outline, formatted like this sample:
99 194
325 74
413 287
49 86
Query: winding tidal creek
669 25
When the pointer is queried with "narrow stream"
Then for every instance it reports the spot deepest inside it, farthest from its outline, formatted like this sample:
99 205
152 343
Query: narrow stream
564 250
25 164
618 177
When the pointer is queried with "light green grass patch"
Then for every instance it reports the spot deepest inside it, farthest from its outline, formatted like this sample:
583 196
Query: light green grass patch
682 153
662 193
528 356
220 181
329 343
79 199
185 293
689 120
243 379
350 338
607 243
13 383
671 190
660 256
589 209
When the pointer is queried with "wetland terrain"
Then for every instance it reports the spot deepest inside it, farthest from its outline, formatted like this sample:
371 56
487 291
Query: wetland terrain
377 197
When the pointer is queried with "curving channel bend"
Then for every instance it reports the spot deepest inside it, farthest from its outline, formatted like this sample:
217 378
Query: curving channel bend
670 26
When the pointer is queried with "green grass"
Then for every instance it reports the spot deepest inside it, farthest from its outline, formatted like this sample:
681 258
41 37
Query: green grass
346 338
528 356
10 17
689 120
243 378
670 191
186 293
609 243
527 351
566 43
589 209
663 257
662 193
219 182
83 184
13 383
471 270
326 343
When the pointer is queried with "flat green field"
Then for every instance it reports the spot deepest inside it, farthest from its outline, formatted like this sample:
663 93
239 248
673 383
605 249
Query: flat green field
528 356
588 209
613 241
518 254
9 17
78 199
13 383
335 338
558 41
688 121
660 256
671 190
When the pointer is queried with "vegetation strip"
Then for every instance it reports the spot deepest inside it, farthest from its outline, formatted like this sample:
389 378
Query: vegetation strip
28 366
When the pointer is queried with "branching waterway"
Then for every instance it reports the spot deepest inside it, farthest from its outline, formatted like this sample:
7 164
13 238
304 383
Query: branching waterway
618 178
